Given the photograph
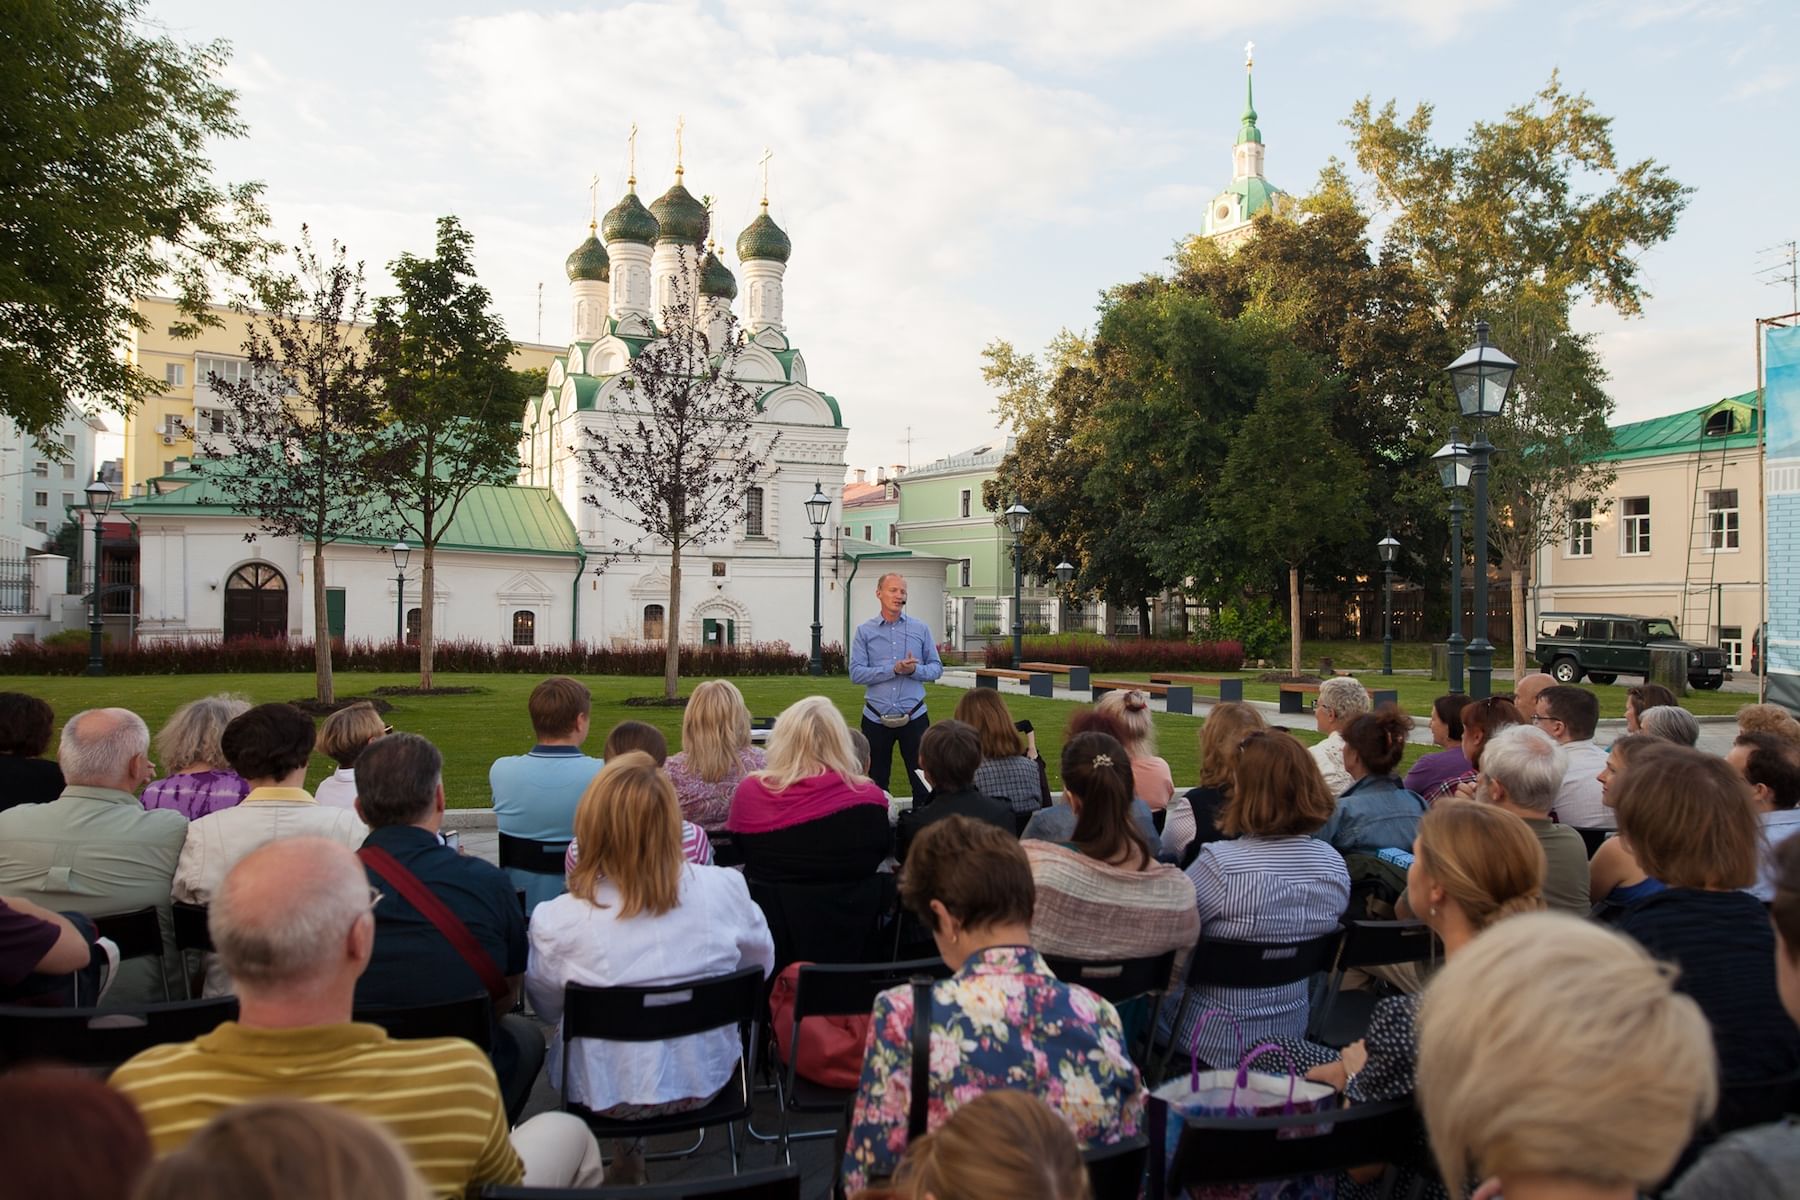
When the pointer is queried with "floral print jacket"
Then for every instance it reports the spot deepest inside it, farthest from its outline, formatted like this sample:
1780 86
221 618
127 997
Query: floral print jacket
1002 1021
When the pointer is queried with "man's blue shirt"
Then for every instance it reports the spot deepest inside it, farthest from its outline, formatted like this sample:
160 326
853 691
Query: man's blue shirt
874 649
535 797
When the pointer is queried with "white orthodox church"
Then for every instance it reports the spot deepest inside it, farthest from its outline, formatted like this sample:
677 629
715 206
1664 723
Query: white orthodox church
1229 215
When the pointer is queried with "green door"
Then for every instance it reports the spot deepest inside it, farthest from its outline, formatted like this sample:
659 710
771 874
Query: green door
334 612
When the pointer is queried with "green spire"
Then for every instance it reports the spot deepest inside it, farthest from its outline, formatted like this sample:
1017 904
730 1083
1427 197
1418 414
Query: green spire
1247 131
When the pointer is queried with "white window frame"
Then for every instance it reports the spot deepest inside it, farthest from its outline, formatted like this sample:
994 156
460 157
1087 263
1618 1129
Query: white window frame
965 502
1581 530
175 375
1634 528
1733 646
755 512
1724 523
964 567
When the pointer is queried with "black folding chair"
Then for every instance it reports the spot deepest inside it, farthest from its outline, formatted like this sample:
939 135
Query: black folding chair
774 1183
662 1013
832 990
470 1018
1121 981
1116 1172
138 934
1251 965
104 1037
1593 838
1366 944
540 858
1225 1150
726 851
191 937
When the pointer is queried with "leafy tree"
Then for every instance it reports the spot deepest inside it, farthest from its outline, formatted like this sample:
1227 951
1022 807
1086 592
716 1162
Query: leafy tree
449 402
680 448
108 197
298 452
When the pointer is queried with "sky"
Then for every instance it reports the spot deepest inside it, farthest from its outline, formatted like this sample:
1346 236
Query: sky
954 171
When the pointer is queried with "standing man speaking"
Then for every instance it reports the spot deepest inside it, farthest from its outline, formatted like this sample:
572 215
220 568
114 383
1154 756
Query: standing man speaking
893 656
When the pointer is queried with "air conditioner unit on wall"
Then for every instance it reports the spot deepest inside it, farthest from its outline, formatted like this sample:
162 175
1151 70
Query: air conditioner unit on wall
168 439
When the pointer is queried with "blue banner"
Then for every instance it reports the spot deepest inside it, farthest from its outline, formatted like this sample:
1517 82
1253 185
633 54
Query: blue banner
1781 409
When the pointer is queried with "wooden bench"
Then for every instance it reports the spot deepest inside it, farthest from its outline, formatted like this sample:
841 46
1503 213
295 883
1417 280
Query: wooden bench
1037 682
1177 698
1229 688
1292 692
1078 676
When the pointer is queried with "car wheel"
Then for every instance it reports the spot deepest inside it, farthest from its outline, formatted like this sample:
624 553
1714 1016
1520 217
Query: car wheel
1566 670
1603 678
1711 685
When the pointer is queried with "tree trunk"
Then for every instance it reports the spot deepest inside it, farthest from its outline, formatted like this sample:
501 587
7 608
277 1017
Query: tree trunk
1143 607
322 683
1293 618
1518 624
672 627
428 594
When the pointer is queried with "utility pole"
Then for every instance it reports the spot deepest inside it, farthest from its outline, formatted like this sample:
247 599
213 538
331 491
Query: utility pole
1785 269
540 333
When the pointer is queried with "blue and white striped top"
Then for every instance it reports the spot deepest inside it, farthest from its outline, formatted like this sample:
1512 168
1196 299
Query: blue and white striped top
1284 889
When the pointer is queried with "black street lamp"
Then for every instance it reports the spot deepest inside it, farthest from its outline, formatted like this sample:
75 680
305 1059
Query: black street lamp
99 498
1016 517
1454 463
400 551
818 507
1482 377
1389 549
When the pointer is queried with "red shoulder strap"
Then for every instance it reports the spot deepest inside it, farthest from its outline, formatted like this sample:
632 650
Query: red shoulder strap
439 914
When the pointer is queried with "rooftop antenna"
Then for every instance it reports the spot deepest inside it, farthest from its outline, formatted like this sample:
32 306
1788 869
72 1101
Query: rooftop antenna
1786 269
540 335
909 447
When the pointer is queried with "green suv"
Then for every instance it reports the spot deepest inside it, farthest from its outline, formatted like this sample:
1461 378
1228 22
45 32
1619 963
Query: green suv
1604 646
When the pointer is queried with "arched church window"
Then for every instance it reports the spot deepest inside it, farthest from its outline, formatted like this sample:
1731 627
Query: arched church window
413 618
653 622
524 628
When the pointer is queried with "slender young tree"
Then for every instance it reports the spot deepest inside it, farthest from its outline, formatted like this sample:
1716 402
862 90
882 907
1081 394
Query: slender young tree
451 423
295 451
680 448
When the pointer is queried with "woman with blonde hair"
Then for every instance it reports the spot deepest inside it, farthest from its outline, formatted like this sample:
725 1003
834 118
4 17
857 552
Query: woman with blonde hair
1006 1145
1150 775
199 779
285 1150
638 913
343 737
1193 818
1557 1059
715 753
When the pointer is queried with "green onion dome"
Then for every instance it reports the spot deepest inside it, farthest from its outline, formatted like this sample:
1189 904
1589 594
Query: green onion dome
716 278
679 217
589 261
629 221
763 238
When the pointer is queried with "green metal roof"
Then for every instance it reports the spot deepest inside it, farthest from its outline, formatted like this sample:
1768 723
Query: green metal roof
587 387
679 217
764 239
716 278
588 261
1258 193
1247 130
1684 432
629 221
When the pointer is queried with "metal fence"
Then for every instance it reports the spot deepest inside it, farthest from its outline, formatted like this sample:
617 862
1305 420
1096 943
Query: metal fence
15 585
985 617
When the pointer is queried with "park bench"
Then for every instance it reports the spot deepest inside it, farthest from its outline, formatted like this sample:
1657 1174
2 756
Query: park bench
1078 675
1037 682
1177 698
1230 688
1291 694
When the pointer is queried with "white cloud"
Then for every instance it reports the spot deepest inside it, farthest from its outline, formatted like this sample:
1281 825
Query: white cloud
1766 82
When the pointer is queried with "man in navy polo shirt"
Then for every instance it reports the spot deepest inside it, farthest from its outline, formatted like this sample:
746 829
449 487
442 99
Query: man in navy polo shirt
536 793
400 797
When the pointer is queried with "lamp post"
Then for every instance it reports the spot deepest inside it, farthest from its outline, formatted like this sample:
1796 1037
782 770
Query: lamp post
99 498
818 507
1389 549
1016 517
1454 462
1482 377
400 551
1065 571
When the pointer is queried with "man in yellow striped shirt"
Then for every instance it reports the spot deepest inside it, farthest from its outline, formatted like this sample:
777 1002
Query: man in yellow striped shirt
293 926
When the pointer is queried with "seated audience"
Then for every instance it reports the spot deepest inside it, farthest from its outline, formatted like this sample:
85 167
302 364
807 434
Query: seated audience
1692 823
637 913
1275 882
1555 1059
1481 720
1010 768
51 960
715 754
1002 1145
95 850
1569 714
1525 695
949 755
1194 817
200 778
344 736
1449 762
1154 784
67 1136
26 777
1769 718
1670 724
1770 764
295 926
1057 823
1642 698
1615 880
1340 701
417 959
285 1150
1761 1163
1001 1021
1521 771
535 793
625 737
1375 812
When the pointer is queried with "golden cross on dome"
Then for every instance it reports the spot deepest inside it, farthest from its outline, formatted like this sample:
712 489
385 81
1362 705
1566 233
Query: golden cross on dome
1249 55
764 160
680 124
631 158
594 202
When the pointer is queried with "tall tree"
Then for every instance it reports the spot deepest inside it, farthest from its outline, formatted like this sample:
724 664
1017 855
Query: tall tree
108 196
680 449
297 453
449 400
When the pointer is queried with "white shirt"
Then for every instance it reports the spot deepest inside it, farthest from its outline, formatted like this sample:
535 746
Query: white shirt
1329 754
337 790
1579 801
714 930
1778 826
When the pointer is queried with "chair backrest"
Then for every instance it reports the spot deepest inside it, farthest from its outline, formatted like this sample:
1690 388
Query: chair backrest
540 858
834 922
1216 1150
726 851
469 1018
1261 964
1385 943
105 1037
1116 1172
772 1183
137 933
1593 839
671 1010
1116 980
849 989
191 932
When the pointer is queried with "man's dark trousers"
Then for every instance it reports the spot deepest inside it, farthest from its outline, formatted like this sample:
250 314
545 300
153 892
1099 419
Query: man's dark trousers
883 739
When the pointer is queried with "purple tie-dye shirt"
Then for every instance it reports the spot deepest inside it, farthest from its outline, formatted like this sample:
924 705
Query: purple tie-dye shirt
196 795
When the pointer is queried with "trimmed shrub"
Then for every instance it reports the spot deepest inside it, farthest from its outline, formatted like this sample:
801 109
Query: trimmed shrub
1123 654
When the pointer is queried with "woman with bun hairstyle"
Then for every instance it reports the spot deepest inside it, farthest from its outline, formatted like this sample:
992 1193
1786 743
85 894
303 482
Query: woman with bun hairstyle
1004 1145
1448 762
1376 812
1152 780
